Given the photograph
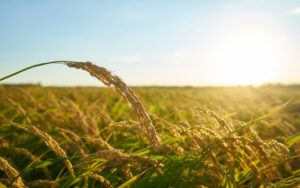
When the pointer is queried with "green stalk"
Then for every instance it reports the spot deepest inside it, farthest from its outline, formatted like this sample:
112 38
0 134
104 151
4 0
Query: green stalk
37 65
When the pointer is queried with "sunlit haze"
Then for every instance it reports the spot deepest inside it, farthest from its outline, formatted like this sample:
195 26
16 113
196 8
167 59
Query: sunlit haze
165 43
248 56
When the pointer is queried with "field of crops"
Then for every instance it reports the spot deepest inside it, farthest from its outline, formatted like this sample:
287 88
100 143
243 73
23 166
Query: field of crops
103 137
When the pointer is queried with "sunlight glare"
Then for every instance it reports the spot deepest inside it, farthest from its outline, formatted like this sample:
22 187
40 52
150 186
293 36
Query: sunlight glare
246 58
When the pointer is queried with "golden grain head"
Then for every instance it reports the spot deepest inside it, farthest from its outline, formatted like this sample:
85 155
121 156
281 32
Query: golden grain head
11 173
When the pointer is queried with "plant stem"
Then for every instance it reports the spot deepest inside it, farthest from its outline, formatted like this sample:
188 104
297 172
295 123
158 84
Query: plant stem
37 65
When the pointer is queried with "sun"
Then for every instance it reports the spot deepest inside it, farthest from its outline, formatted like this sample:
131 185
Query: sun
244 58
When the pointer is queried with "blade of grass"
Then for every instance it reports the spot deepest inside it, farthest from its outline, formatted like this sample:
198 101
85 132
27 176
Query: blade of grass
133 179
291 140
264 116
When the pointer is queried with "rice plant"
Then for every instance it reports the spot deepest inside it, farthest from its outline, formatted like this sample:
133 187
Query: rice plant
148 137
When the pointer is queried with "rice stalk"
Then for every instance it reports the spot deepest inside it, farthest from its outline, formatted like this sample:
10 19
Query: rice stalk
20 109
33 158
48 140
11 173
43 183
109 79
126 171
128 94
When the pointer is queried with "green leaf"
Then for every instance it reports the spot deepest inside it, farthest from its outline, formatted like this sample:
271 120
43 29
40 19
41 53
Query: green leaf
290 141
75 181
274 111
264 116
171 140
229 115
39 165
132 180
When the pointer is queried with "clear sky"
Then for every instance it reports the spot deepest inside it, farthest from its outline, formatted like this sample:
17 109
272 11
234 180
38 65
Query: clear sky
166 42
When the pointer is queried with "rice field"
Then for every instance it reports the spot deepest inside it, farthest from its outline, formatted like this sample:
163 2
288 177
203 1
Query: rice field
118 136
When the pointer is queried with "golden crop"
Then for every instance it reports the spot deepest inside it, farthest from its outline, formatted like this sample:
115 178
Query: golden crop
193 137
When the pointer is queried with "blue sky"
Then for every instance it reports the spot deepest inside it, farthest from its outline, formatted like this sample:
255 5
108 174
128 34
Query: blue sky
225 42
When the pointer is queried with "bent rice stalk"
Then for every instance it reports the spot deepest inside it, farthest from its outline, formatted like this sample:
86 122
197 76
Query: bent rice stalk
109 79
